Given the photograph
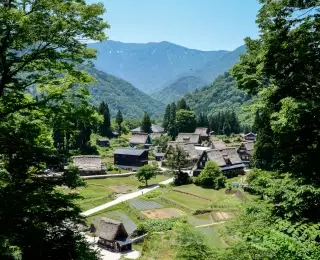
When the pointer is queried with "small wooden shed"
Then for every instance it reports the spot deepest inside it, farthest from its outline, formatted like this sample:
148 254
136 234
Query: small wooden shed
103 142
113 235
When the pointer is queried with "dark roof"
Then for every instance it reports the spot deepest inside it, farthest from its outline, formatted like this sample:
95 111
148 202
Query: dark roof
221 157
154 129
110 229
188 138
188 147
218 144
129 151
202 131
139 138
87 162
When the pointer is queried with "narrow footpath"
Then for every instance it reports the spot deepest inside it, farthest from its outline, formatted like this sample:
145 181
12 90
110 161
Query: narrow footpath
124 198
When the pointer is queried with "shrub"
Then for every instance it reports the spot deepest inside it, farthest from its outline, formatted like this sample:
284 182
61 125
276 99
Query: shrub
211 176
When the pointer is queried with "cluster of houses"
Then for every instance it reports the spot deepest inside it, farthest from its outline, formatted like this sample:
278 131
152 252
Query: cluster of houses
199 146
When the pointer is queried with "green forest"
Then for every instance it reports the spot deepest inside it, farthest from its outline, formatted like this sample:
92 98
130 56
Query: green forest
220 96
121 95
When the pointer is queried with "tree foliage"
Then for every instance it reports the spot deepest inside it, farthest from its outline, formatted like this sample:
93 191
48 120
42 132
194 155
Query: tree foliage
282 68
177 159
105 126
211 176
119 120
41 87
146 123
146 172
186 121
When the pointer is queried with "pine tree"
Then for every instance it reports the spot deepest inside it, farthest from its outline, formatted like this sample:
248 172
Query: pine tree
182 104
172 128
146 123
119 120
166 118
105 126
202 120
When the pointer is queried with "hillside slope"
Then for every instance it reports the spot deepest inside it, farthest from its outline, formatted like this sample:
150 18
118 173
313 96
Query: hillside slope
120 94
150 66
197 79
222 94
179 88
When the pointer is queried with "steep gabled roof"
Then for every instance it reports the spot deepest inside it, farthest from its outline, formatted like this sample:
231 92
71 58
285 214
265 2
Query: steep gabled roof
87 162
138 138
218 144
128 151
202 131
188 138
110 229
224 157
189 148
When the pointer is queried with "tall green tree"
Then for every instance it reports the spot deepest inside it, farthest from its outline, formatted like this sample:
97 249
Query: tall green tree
43 44
146 123
186 121
105 126
166 118
182 104
177 159
172 127
146 172
202 120
282 68
211 176
119 120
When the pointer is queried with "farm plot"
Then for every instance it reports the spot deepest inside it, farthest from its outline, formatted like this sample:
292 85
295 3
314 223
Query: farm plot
221 216
163 213
122 188
145 205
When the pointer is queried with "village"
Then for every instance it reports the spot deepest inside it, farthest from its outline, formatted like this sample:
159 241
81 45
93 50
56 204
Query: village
116 204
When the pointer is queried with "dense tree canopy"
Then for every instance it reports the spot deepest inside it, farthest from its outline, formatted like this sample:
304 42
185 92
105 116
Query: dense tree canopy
105 126
281 69
186 121
42 44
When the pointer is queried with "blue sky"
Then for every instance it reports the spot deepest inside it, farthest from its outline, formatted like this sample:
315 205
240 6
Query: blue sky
196 24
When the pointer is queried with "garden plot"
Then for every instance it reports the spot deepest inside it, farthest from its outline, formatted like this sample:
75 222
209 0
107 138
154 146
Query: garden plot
122 188
145 205
163 213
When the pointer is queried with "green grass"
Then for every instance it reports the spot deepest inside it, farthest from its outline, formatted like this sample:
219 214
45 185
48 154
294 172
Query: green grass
188 201
157 246
130 180
213 235
93 196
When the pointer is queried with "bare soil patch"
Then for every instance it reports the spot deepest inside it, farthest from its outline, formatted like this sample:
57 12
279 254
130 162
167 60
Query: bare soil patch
221 216
163 213
122 188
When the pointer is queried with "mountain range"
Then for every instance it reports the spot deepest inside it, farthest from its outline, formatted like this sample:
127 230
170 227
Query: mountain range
151 67
120 94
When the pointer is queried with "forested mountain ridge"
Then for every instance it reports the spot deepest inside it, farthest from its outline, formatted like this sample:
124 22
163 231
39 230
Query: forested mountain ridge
220 95
179 88
197 79
121 95
151 66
